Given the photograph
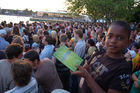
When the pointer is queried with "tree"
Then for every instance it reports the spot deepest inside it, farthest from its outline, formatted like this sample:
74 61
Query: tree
103 9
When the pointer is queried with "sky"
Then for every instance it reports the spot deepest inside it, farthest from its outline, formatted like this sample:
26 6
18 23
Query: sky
35 5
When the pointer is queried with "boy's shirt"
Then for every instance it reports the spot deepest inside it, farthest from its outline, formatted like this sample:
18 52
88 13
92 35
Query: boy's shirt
110 73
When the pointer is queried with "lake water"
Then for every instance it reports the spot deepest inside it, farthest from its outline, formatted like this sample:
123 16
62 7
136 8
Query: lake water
14 19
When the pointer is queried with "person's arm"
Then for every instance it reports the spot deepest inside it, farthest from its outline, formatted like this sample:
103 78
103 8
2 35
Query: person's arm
135 78
95 88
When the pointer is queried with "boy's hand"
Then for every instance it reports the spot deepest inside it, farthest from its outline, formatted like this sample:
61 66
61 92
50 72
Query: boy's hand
81 71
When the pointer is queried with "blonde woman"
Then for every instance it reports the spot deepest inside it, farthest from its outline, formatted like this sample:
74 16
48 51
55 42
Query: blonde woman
54 37
36 43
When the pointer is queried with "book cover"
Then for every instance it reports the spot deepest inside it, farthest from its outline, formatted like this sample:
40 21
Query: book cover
67 57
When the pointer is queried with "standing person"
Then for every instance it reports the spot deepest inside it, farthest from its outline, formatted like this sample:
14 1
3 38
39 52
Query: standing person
9 35
54 37
13 52
44 71
79 49
26 39
48 48
3 42
81 44
109 72
91 47
63 71
21 72
16 30
36 43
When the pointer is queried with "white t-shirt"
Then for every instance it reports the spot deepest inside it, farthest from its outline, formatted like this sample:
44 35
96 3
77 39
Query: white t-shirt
32 87
98 45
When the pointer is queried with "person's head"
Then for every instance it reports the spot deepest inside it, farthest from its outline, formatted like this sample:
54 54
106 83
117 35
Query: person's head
47 40
78 34
50 27
135 47
8 31
46 33
33 57
36 38
63 38
54 34
2 33
45 27
19 40
63 31
21 72
16 30
90 42
132 37
100 37
14 51
40 32
25 32
118 38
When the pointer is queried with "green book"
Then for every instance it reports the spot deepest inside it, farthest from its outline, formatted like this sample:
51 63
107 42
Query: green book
68 57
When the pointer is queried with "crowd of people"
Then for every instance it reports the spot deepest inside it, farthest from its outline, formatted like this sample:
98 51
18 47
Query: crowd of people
111 55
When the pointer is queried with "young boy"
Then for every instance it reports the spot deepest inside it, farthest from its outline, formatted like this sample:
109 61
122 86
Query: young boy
109 72
21 73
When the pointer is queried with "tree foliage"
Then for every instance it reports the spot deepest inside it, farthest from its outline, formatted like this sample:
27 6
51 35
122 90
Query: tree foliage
104 9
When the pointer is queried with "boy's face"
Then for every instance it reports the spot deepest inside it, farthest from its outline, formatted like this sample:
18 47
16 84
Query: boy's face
116 40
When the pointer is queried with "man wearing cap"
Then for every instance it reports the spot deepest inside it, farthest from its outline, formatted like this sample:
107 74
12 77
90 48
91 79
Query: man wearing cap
3 42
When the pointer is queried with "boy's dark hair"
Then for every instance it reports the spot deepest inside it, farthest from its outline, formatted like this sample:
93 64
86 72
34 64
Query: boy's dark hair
125 25
21 71
32 55
63 38
13 50
91 42
48 39
79 33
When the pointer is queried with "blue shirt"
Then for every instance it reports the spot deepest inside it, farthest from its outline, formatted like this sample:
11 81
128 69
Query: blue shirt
35 46
3 43
32 87
50 31
47 52
21 30
80 48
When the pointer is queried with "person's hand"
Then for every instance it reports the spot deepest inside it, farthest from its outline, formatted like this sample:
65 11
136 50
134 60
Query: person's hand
81 71
86 66
136 85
